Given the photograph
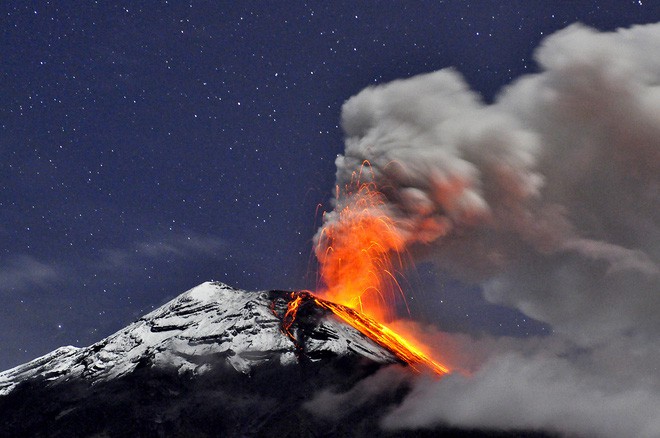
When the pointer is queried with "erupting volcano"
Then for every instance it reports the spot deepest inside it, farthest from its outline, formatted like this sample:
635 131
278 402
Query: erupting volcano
356 247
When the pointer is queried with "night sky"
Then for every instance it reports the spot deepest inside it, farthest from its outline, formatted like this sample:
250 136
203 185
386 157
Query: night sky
147 147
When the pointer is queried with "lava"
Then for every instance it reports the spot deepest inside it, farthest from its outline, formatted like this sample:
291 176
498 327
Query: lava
290 315
385 337
358 249
355 250
404 349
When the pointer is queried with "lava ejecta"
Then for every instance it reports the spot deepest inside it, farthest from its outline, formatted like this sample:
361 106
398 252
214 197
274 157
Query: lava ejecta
356 250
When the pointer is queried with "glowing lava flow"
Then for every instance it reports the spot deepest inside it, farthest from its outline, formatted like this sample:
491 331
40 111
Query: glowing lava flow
384 337
355 248
290 315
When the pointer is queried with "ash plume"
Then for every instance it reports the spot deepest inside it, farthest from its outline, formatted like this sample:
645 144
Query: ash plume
549 198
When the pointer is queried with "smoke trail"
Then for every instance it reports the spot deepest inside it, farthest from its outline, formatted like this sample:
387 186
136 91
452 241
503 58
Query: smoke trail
550 199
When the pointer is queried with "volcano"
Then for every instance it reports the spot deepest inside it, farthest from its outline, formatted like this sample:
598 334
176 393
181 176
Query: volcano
209 326
215 361
214 352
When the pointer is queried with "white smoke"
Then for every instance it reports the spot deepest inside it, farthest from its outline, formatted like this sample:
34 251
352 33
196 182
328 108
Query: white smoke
550 199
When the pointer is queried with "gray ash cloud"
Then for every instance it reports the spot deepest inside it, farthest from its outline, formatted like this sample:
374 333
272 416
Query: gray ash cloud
549 198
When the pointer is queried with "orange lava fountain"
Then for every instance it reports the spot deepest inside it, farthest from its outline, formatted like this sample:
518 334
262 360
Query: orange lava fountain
356 249
355 255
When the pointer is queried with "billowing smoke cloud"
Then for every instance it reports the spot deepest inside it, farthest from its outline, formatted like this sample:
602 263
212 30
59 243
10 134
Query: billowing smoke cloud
550 199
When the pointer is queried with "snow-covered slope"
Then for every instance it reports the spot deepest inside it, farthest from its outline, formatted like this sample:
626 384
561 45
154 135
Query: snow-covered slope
208 326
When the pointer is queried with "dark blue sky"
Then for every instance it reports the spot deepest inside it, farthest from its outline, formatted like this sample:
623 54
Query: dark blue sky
149 146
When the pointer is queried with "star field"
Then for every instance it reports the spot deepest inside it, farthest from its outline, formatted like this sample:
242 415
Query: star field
149 146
